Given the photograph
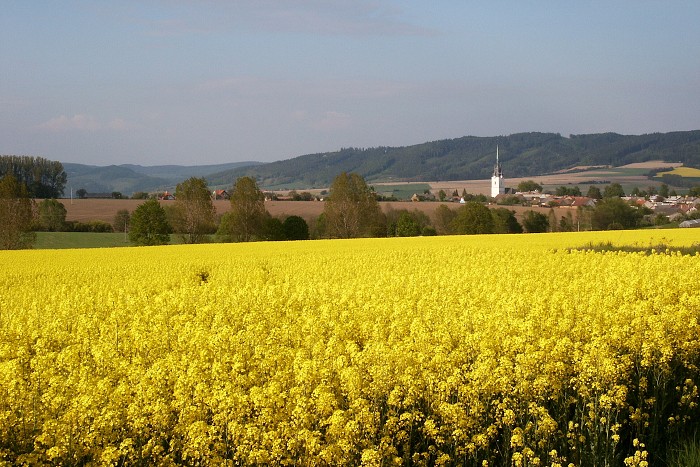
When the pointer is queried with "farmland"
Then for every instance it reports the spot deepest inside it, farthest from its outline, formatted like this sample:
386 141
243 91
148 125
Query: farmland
84 210
498 350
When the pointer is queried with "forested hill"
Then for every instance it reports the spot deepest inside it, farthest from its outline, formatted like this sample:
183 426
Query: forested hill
470 158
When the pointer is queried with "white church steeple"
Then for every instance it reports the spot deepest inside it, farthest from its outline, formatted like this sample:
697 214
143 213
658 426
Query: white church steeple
497 187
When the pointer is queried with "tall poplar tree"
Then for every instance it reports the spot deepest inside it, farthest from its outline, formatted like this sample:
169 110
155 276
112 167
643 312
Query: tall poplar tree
247 218
16 215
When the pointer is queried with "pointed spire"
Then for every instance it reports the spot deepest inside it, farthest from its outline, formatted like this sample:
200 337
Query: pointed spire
497 168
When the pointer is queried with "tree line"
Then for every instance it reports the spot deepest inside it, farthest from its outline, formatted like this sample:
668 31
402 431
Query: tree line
351 210
41 177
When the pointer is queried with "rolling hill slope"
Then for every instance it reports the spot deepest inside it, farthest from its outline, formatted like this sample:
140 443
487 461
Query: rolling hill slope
466 158
470 157
129 178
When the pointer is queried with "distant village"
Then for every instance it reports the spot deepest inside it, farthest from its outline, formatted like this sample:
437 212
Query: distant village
673 207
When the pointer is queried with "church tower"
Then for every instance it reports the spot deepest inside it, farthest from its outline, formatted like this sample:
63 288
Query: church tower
497 187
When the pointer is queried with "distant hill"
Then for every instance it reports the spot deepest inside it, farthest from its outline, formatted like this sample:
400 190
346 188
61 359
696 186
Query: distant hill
470 158
129 178
466 158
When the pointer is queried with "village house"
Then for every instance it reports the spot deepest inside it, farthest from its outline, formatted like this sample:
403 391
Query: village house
673 206
220 194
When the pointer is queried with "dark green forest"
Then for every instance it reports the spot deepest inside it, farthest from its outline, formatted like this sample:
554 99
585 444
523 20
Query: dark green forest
471 158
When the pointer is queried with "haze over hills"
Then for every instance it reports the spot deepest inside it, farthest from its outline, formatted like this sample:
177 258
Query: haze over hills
130 178
466 158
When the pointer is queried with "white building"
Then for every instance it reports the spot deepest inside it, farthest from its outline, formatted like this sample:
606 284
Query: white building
497 187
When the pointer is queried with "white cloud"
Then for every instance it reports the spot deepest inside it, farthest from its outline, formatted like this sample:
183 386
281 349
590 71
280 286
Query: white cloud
332 120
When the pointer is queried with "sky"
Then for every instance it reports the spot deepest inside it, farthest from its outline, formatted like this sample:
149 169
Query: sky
188 82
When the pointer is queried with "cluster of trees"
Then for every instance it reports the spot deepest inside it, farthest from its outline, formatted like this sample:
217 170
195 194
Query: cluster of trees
610 191
193 217
41 177
51 217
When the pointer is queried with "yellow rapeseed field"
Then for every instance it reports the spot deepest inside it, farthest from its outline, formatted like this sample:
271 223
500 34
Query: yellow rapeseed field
482 350
682 171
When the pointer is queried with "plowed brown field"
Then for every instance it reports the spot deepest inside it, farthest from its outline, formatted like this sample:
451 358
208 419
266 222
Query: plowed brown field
85 210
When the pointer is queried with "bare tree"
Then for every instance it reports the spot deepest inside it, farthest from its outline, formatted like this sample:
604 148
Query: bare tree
352 209
194 210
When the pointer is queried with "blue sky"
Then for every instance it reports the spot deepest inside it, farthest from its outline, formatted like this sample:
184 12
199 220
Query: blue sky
211 81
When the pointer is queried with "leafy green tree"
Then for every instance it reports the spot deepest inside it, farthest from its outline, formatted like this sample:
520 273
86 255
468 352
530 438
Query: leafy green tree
611 211
442 219
51 215
149 224
504 221
405 223
121 221
81 193
535 222
566 223
246 220
613 190
139 195
473 218
194 212
352 210
594 192
529 185
663 190
407 226
303 196
507 200
320 227
17 212
442 195
568 191
295 228
273 230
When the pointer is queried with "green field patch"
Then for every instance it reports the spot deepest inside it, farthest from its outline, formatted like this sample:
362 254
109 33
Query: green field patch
63 240
402 191
630 172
